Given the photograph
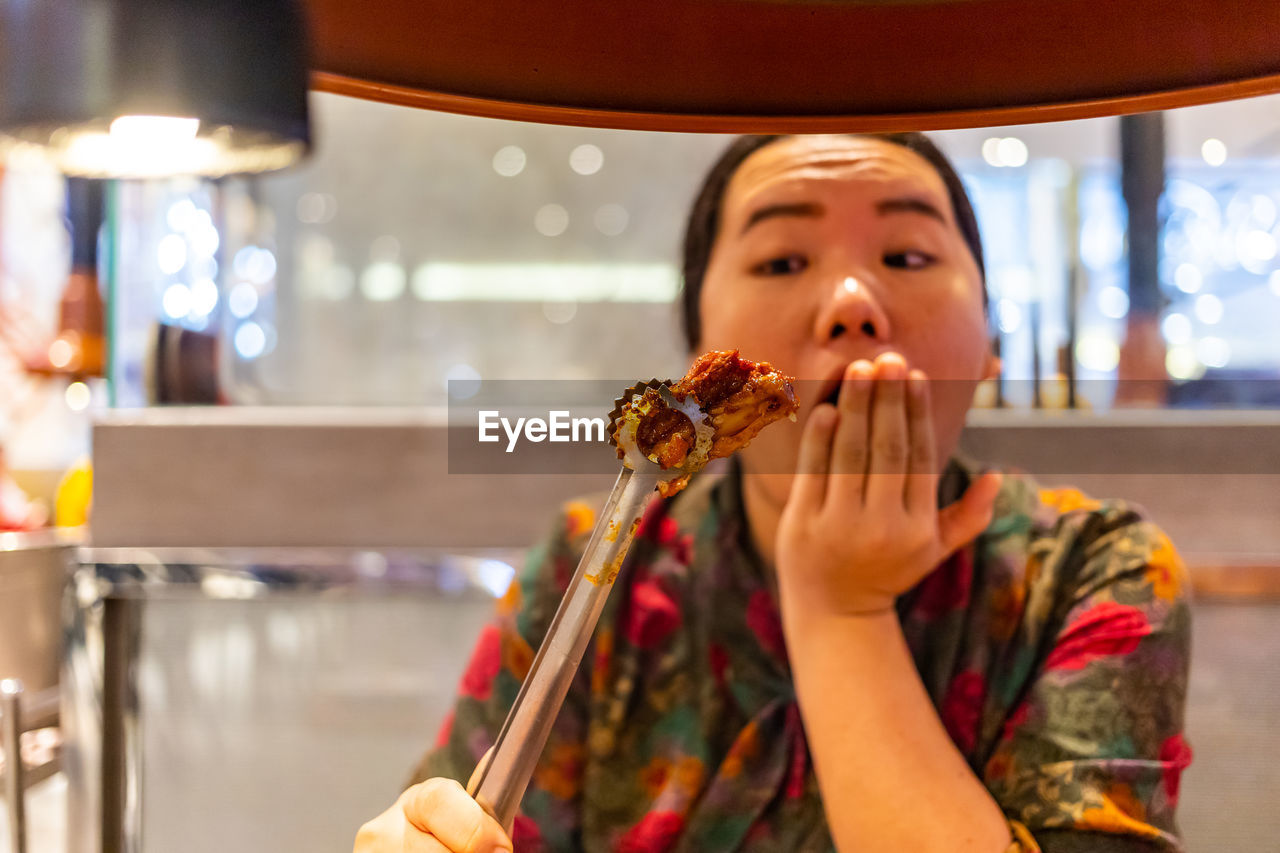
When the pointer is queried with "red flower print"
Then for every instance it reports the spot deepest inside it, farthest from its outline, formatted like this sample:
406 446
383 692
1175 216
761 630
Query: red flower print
1103 630
663 530
653 615
962 709
1175 753
1019 718
655 833
947 587
525 837
765 623
719 660
653 520
681 547
446 729
562 572
477 681
997 767
798 772
759 833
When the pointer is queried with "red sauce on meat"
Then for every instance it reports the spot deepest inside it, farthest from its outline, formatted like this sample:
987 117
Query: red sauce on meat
667 430
715 377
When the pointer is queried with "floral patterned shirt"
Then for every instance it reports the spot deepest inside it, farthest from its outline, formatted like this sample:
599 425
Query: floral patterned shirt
1054 647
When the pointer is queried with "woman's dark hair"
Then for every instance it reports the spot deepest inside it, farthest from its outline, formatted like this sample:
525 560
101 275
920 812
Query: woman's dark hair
704 217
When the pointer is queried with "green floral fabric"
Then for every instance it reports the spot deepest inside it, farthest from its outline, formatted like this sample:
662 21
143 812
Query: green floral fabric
1055 649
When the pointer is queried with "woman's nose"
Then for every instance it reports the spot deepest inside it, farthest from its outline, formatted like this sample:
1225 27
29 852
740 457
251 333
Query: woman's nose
852 310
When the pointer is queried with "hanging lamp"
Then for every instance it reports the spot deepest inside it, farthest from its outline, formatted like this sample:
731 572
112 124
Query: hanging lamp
149 88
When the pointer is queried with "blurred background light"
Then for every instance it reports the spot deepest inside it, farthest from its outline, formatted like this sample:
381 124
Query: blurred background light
61 352
382 281
991 151
1008 151
611 219
171 254
559 312
495 576
1208 309
78 396
180 213
586 159
1182 364
1113 302
250 340
1097 351
1176 328
1214 352
551 220
462 381
1187 278
1012 151
1214 151
1008 316
243 300
204 296
509 161
177 301
315 208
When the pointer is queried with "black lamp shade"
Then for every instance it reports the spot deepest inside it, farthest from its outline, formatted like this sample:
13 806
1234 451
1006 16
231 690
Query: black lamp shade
72 67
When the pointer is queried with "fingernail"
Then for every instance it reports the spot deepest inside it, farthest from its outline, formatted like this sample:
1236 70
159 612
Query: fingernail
892 366
860 369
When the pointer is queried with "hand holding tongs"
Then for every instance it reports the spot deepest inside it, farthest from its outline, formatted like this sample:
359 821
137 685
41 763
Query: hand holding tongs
502 781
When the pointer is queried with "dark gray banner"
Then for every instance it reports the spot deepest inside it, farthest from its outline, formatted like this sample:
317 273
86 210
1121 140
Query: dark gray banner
558 427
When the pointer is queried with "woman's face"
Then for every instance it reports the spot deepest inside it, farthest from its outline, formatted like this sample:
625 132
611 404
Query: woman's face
836 248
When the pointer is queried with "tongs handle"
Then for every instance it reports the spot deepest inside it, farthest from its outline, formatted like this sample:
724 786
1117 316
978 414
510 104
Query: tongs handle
515 754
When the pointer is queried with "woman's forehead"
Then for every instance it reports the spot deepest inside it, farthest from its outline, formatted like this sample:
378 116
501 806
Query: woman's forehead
833 164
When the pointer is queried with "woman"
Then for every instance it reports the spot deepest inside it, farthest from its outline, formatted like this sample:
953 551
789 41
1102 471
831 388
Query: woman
884 650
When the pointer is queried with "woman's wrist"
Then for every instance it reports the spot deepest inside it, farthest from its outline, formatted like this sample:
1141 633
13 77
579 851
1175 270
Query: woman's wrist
805 618
806 603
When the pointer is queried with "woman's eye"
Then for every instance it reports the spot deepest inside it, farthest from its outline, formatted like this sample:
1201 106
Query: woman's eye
786 265
910 260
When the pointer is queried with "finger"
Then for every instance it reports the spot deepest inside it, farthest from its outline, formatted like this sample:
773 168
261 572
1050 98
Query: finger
849 454
922 469
808 489
440 807
421 842
384 832
887 466
960 523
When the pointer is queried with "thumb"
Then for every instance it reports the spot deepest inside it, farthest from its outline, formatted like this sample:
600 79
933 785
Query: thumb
961 522
479 771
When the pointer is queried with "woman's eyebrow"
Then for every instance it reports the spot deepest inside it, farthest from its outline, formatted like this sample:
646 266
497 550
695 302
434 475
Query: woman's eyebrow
769 211
910 204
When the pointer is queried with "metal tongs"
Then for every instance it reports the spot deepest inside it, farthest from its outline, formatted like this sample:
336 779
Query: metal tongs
501 783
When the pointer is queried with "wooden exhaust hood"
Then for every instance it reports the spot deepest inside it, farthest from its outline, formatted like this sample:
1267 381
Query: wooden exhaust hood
795 65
